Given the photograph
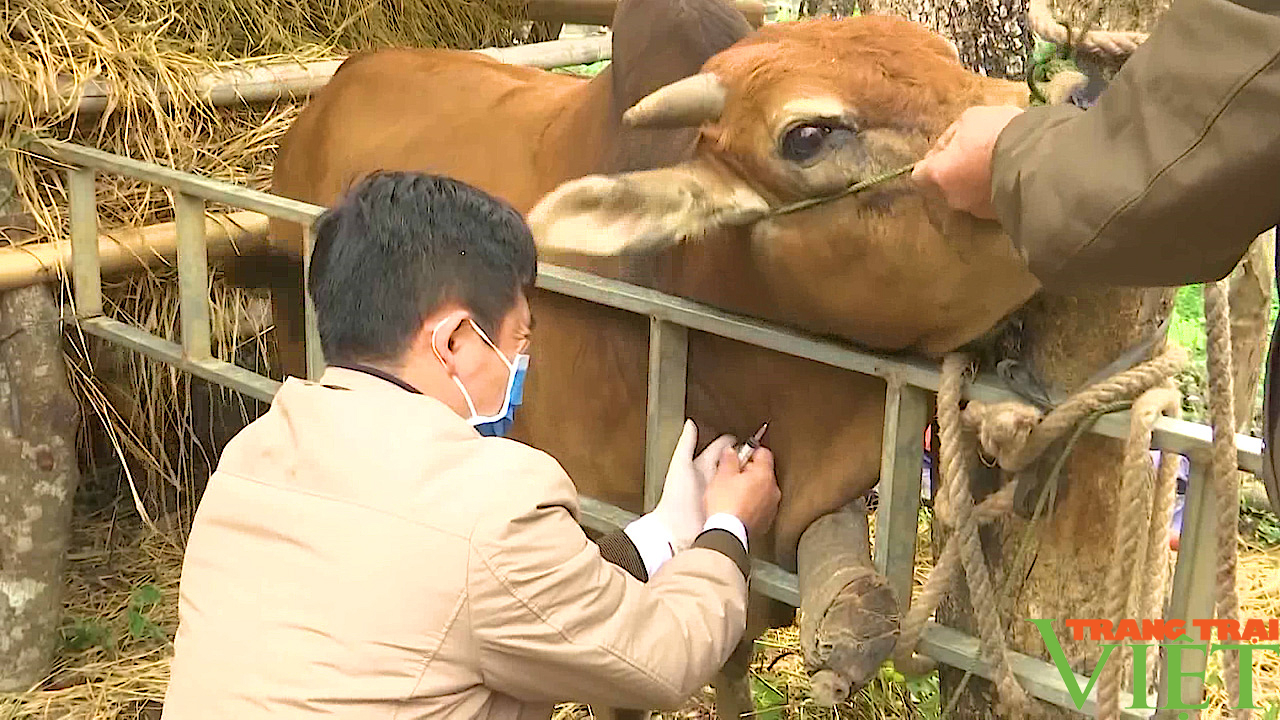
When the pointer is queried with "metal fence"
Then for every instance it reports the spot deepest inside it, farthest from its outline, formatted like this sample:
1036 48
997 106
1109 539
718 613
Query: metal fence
909 384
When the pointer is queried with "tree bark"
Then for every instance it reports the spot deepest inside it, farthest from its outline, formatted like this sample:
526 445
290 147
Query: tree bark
1068 338
39 475
1250 288
38 479
829 8
991 35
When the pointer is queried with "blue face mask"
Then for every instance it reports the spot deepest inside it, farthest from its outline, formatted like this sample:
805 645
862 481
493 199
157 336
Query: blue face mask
498 424
515 395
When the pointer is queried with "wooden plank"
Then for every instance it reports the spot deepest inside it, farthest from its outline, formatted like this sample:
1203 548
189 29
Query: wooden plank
214 370
600 12
664 416
906 416
193 277
86 266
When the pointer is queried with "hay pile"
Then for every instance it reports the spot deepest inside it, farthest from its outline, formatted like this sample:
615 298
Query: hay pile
141 412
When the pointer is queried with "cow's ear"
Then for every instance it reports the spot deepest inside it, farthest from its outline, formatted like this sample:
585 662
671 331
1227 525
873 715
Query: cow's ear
641 211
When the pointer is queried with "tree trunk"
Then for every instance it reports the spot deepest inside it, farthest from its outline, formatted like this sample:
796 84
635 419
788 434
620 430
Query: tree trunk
1250 288
39 475
1068 339
829 8
991 35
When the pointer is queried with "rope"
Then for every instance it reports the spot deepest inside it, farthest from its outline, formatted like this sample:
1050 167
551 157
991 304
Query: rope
1223 465
1018 435
1102 42
1130 594
850 190
1012 699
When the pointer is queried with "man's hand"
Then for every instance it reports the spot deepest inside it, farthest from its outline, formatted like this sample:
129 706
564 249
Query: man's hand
958 167
751 495
681 508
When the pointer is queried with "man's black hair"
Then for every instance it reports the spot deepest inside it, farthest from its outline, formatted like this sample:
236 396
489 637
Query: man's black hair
397 247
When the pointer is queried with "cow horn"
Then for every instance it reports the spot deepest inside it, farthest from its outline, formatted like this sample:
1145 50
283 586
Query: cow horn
683 103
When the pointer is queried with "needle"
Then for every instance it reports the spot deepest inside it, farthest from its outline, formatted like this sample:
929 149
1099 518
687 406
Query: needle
749 447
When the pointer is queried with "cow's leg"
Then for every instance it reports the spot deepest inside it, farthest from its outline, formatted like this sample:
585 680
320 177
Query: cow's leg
611 713
732 684
849 614
288 312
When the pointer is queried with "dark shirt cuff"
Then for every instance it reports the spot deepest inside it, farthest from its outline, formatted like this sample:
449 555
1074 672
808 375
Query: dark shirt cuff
726 542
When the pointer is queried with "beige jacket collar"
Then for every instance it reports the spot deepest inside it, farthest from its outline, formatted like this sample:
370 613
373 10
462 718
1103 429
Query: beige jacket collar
340 378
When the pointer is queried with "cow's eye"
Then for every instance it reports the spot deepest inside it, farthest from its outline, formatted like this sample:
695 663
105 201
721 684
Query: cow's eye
803 142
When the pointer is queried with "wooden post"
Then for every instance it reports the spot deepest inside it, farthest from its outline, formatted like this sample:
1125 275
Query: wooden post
1250 301
39 417
1069 338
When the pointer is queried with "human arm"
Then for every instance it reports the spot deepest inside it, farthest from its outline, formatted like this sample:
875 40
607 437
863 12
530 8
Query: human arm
554 622
1170 176
681 512
652 539
618 548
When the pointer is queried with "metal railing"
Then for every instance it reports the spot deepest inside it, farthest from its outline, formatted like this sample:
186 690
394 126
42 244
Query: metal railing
906 402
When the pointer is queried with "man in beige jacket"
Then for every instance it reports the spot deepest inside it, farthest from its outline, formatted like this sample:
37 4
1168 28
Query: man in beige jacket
372 548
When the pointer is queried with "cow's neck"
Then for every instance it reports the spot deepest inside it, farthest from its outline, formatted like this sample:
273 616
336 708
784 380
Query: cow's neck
578 137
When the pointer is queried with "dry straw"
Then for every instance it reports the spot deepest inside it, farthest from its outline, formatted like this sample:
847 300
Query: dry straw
136 47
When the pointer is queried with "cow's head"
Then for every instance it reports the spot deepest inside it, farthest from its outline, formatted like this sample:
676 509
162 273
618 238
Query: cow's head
803 110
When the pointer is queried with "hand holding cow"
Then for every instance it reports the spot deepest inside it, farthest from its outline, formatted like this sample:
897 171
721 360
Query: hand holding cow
958 167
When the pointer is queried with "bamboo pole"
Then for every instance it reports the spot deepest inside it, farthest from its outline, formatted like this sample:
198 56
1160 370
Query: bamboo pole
130 249
600 12
291 80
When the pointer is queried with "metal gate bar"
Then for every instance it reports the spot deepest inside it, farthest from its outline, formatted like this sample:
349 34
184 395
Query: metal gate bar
909 382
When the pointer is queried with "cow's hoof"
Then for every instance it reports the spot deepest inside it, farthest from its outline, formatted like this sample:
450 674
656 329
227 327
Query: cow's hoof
854 637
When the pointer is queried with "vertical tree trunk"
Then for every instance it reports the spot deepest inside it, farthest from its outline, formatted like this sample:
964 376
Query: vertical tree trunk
1250 289
991 35
1068 339
39 417
829 8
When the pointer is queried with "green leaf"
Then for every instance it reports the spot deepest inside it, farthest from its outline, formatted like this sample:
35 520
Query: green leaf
84 634
769 702
145 596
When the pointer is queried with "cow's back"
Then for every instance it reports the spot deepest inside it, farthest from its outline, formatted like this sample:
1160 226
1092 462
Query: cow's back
451 112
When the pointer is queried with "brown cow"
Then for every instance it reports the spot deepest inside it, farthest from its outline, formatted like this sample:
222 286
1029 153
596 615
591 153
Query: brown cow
793 111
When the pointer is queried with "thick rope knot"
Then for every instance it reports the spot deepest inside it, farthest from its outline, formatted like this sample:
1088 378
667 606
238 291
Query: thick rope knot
1103 42
1003 429
1017 435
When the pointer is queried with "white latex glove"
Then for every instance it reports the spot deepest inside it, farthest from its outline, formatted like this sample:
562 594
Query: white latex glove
682 508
